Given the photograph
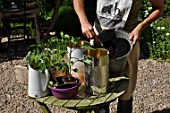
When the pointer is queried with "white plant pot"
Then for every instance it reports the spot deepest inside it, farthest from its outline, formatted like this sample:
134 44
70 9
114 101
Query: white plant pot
37 83
77 53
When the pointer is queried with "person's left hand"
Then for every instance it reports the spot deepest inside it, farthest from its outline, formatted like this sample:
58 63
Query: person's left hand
135 34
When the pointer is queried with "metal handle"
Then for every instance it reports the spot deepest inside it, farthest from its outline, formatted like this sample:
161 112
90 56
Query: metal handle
47 77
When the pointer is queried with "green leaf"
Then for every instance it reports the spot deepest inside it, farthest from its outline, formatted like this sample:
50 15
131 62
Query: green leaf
57 67
66 36
87 61
87 47
75 70
61 34
56 84
50 84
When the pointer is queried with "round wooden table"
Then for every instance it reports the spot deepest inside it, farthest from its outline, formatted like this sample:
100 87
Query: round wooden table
84 102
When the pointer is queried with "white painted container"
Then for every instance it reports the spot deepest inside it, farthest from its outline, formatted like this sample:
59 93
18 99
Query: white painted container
37 83
77 54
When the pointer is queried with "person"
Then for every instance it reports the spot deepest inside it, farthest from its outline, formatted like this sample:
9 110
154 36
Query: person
120 14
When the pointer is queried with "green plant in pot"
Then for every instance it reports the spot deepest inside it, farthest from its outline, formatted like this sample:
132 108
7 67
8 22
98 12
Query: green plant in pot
65 86
38 75
55 53
34 58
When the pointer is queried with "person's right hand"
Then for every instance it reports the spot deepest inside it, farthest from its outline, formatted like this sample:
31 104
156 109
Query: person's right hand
87 30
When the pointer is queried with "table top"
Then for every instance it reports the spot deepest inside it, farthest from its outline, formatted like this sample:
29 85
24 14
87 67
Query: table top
117 86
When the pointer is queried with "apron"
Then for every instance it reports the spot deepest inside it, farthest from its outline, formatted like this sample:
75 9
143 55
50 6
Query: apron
112 14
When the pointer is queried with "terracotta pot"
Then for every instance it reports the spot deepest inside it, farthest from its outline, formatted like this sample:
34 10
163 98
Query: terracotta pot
57 74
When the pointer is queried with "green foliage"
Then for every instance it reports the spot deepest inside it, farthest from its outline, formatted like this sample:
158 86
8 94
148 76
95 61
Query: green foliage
52 84
55 52
46 8
57 49
166 8
72 40
67 3
49 54
56 55
155 42
68 21
52 54
160 46
34 58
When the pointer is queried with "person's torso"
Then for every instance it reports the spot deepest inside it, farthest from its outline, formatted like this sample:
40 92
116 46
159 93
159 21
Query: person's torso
121 14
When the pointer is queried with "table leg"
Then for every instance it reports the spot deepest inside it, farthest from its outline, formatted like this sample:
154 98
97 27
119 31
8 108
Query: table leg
44 107
84 111
102 109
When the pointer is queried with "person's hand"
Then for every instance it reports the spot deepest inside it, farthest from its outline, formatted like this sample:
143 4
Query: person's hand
87 30
135 34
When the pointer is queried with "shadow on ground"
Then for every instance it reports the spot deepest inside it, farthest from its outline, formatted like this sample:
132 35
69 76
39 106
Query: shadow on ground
19 49
167 110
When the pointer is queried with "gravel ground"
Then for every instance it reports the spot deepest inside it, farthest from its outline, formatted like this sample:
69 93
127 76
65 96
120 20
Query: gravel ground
152 94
